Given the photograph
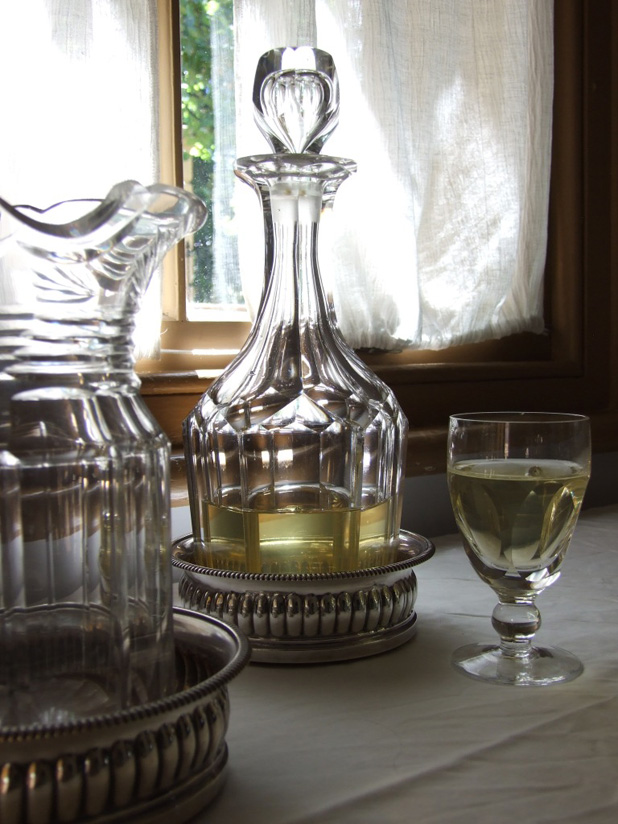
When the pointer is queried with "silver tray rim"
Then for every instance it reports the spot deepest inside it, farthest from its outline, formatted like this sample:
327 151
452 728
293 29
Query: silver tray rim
213 653
270 648
415 549
188 624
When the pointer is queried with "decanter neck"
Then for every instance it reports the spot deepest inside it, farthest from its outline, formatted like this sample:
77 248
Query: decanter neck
294 293
294 191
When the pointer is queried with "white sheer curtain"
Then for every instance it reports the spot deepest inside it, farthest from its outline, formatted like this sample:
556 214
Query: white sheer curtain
440 237
445 105
78 103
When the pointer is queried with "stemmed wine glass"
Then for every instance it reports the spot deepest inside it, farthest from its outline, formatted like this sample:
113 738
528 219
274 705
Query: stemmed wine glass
516 481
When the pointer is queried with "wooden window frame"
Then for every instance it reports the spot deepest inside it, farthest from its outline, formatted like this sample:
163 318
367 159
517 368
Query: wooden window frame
571 367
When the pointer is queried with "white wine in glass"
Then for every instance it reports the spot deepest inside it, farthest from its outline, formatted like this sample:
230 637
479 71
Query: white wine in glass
517 481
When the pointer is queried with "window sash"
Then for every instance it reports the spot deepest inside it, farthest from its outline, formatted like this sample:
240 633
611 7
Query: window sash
571 367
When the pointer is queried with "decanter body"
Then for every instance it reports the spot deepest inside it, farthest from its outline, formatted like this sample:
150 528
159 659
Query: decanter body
86 566
296 454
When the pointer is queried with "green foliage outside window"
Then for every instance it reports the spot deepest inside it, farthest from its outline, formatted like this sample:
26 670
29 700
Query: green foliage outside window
197 19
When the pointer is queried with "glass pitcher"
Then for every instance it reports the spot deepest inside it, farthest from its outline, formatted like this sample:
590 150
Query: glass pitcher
85 568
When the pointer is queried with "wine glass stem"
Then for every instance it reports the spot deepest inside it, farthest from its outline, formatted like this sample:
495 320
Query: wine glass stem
516 624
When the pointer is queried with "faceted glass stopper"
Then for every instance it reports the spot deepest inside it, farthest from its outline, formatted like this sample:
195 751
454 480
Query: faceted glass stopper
296 99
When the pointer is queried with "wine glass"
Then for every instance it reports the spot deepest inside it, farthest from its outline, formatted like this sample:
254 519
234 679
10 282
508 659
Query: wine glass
516 481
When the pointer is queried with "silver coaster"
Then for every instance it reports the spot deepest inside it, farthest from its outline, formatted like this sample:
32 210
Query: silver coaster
312 618
154 763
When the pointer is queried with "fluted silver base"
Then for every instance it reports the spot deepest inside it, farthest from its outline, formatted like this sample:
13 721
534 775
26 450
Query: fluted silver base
311 618
154 763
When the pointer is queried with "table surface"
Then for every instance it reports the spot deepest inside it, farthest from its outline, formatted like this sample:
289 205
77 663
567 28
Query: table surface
403 737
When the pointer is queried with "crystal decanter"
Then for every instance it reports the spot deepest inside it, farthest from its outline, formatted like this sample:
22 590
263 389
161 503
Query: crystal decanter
295 454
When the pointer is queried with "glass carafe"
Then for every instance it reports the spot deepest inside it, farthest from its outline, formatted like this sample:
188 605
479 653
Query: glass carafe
85 516
296 453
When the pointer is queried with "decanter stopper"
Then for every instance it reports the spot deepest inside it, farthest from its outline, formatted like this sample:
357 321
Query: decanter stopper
296 99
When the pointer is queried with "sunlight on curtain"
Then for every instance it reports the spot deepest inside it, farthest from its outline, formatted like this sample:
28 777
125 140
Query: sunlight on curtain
78 101
446 106
440 237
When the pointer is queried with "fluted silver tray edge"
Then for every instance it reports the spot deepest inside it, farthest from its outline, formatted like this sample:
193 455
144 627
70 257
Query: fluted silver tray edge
157 762
315 617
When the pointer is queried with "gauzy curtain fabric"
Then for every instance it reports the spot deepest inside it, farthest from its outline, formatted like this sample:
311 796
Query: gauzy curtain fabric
440 237
79 105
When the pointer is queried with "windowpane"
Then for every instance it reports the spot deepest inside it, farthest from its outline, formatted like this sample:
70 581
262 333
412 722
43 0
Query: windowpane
209 152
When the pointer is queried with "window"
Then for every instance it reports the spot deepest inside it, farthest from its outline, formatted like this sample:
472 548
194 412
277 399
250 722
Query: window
212 273
572 367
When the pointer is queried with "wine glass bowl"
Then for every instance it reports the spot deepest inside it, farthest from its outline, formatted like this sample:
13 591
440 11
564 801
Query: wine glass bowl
517 481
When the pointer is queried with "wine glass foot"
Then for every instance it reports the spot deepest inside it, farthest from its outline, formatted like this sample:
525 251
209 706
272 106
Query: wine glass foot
543 666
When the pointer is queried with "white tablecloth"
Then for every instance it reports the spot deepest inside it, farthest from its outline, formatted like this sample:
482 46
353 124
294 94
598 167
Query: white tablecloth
402 737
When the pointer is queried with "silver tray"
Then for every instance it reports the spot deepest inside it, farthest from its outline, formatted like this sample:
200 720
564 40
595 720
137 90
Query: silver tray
155 763
312 618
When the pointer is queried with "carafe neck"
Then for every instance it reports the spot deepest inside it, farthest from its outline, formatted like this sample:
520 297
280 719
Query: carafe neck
294 191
